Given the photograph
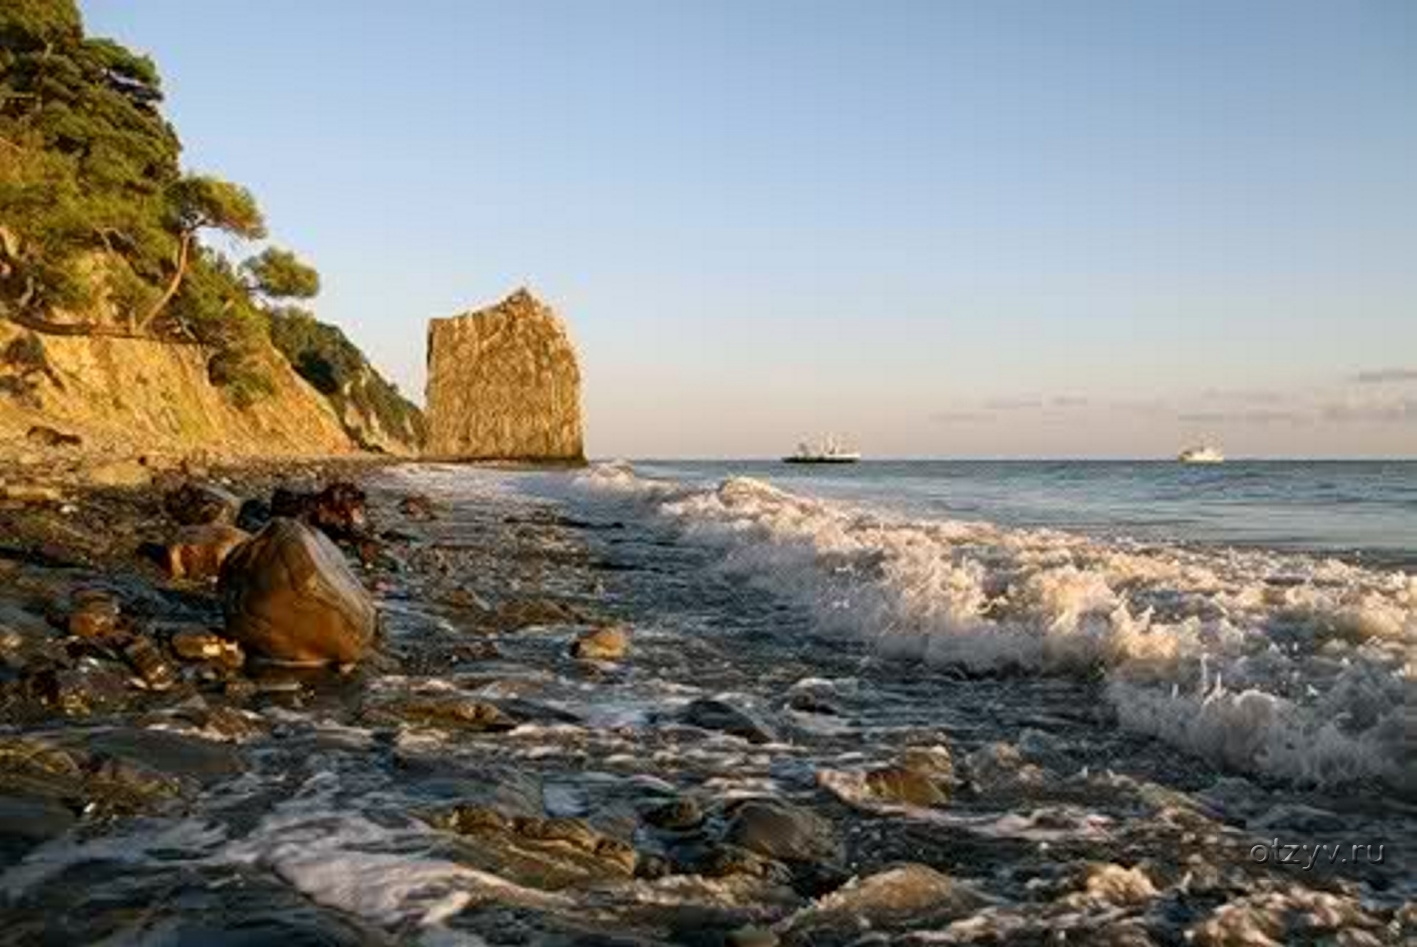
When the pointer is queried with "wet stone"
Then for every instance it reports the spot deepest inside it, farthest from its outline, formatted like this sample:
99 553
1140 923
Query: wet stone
725 861
906 785
905 897
150 664
782 831
338 510
677 815
95 617
197 552
253 515
175 755
711 713
289 596
518 614
462 713
193 644
89 688
603 644
548 853
200 504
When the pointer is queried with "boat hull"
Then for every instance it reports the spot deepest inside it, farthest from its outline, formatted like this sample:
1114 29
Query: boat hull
820 460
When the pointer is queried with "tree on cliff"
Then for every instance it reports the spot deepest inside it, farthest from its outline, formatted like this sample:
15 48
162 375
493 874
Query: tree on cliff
200 202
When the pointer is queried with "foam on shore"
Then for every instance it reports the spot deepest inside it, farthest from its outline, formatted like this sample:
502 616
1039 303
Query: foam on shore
1286 665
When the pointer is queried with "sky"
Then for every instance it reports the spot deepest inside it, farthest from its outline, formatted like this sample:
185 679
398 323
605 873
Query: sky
953 229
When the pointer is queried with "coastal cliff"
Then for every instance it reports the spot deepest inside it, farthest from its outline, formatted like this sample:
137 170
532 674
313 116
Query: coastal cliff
504 384
125 396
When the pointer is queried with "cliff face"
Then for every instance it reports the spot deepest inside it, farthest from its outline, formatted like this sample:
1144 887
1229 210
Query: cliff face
132 396
503 383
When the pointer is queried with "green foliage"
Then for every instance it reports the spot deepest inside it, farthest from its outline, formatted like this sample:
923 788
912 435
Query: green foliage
280 274
333 366
98 219
201 201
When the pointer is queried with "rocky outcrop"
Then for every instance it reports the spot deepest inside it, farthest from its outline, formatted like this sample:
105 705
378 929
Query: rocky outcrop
504 384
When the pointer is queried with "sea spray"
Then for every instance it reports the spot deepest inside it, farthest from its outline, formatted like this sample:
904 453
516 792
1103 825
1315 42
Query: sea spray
1281 664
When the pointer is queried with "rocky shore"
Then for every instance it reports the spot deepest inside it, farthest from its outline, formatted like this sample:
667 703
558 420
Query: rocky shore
209 737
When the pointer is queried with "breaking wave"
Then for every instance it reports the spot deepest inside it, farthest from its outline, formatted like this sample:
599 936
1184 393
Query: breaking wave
1284 665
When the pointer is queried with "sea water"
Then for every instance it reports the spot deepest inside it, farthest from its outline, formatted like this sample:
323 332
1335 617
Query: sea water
1153 682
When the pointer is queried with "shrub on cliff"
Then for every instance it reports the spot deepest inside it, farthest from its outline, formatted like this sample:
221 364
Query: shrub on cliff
366 403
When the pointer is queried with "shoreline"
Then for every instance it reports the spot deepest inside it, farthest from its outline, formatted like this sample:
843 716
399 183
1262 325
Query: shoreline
732 805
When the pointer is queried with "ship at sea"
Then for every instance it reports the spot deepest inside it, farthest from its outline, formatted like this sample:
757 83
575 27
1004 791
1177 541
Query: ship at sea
1204 454
829 450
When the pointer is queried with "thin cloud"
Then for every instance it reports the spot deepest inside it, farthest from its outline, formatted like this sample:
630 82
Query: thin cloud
1242 395
1068 401
1013 404
1403 411
1383 376
958 417
1250 416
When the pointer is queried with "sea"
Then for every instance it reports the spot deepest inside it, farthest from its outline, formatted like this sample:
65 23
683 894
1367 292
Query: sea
1177 704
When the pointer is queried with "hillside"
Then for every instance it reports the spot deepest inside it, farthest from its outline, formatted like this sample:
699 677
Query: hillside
104 255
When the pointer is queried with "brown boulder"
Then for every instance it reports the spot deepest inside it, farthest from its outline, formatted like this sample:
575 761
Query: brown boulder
338 510
603 644
199 551
196 504
289 596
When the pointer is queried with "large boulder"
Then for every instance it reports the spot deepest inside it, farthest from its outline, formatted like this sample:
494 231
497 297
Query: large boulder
289 596
503 383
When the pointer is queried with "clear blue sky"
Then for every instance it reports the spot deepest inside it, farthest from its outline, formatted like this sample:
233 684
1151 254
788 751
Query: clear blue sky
941 228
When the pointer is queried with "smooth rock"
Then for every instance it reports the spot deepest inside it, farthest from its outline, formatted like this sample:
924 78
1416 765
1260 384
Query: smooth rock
152 668
95 616
782 831
289 596
603 644
711 713
89 688
338 510
253 515
906 897
195 644
546 853
905 784
677 815
172 754
197 504
463 713
120 473
197 552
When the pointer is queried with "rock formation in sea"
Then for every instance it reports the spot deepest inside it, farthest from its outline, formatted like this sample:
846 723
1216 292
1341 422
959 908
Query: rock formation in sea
504 383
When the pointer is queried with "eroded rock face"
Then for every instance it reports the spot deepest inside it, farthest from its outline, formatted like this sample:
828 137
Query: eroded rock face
289 596
504 383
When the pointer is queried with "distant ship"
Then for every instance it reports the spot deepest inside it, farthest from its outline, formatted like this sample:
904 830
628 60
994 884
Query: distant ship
828 451
1204 454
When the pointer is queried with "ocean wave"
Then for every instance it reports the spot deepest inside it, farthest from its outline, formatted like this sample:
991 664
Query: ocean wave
1285 665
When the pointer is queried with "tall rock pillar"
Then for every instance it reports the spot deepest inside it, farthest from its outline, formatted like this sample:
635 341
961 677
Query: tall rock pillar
504 384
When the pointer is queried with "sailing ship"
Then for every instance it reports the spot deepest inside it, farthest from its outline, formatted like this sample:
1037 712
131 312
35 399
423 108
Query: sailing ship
1203 454
828 450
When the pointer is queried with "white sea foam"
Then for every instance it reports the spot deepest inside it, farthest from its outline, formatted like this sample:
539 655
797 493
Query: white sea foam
1283 664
